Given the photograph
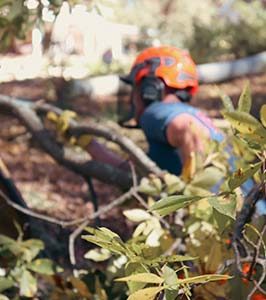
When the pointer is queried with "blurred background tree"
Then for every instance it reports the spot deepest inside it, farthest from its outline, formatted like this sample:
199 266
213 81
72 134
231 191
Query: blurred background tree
211 30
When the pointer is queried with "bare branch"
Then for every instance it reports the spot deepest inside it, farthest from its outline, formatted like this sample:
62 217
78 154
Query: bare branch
86 221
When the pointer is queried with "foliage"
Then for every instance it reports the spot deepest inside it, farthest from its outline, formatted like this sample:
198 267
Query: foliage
17 19
223 38
20 265
151 266
149 273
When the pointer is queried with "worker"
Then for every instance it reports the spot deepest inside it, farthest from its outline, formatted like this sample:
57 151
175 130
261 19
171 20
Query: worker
164 79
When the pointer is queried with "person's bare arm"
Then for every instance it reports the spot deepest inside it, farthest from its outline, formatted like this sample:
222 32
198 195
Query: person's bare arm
187 134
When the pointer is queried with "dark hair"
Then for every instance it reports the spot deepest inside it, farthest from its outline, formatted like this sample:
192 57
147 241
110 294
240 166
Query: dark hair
183 94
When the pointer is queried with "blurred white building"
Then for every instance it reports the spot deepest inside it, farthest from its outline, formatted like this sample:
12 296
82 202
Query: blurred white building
89 34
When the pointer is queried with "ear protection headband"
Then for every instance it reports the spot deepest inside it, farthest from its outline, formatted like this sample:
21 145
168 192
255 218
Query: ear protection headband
152 87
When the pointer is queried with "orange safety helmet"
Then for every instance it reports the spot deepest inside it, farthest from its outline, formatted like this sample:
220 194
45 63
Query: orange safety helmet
176 68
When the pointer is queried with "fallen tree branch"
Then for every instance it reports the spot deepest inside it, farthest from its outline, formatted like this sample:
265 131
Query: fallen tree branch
95 129
66 156
26 111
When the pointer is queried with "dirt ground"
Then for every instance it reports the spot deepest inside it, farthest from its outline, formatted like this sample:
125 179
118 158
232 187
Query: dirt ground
53 190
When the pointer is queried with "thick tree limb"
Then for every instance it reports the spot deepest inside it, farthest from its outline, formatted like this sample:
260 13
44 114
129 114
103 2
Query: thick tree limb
77 162
92 128
137 154
22 108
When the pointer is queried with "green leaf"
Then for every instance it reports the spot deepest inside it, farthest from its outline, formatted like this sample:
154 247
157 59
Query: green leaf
240 176
137 215
31 248
12 245
227 102
44 266
222 220
143 277
263 115
170 204
105 238
27 284
135 268
5 240
145 294
244 103
98 254
15 10
170 278
173 184
146 187
207 178
225 205
5 283
242 121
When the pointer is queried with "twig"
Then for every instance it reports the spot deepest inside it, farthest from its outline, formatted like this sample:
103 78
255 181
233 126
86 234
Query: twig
71 244
120 200
229 262
256 248
95 215
134 174
259 282
29 212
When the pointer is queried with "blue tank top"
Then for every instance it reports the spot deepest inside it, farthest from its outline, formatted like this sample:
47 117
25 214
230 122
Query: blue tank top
154 122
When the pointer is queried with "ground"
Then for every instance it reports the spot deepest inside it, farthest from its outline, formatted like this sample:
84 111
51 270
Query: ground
53 190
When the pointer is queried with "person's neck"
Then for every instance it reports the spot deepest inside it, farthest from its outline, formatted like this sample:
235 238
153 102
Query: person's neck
171 98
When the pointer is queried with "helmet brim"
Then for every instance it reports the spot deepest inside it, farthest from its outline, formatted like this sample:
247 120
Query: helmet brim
126 79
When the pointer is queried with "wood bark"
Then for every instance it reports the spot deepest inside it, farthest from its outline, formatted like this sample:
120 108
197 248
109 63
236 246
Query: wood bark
27 112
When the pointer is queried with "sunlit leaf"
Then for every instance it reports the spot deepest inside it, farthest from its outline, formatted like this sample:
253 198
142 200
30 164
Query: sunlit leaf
225 205
31 248
137 215
227 102
263 115
170 277
107 239
157 183
242 121
207 178
27 284
170 204
11 245
44 266
240 176
135 268
143 277
98 254
3 297
146 187
145 294
244 103
5 283
222 220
